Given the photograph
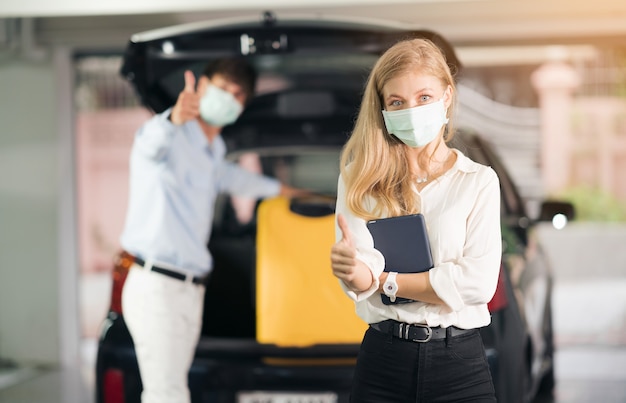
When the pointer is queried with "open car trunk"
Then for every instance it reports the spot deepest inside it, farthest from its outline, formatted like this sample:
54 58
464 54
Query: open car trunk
275 318
311 75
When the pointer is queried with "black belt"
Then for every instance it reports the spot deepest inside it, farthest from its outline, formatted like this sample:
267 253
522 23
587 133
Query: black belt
417 333
171 273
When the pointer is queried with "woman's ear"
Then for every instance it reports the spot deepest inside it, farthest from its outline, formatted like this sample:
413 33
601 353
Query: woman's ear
447 97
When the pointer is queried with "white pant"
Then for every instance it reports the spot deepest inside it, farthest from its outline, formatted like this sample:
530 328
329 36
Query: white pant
164 317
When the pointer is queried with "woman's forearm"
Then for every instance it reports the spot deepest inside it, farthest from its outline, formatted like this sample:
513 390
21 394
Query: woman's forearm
414 286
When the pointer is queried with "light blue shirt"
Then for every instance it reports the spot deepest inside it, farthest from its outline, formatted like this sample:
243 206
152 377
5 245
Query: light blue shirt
175 177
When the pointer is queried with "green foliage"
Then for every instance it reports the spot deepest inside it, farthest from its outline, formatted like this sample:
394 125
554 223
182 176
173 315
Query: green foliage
593 204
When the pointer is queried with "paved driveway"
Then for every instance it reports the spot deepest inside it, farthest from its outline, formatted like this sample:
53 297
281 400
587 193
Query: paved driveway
589 261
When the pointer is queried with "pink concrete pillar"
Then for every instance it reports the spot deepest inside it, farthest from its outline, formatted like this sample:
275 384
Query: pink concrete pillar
555 82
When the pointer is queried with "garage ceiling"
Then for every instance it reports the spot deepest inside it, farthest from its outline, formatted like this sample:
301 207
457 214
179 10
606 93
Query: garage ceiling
466 23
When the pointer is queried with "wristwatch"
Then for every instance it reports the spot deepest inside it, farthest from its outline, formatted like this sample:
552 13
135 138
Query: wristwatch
390 288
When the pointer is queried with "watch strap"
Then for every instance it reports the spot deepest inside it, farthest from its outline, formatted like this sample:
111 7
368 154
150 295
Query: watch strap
390 288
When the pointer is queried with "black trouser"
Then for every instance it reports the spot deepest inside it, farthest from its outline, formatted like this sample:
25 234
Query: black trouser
392 370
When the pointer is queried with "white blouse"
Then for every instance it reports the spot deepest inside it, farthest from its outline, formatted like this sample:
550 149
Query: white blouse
462 213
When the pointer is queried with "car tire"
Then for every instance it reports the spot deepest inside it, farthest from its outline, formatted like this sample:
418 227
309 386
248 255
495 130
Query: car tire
546 387
525 381
548 382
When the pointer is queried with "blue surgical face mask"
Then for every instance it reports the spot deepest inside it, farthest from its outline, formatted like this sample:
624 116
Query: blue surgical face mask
219 107
418 126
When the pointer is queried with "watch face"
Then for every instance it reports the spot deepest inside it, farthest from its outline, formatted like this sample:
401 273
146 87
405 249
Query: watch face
390 288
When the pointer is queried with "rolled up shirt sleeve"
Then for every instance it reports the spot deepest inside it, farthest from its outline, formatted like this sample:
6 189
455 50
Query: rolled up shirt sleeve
240 182
471 279
154 138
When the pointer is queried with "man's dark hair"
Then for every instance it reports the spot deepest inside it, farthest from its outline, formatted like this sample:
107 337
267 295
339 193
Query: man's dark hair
235 69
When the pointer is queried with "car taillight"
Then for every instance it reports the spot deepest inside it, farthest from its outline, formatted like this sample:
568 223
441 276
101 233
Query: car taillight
499 300
120 271
113 386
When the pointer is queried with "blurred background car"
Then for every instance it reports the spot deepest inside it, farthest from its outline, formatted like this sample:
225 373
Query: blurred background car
264 337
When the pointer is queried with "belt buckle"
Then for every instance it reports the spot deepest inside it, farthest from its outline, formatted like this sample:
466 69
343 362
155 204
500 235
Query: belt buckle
429 333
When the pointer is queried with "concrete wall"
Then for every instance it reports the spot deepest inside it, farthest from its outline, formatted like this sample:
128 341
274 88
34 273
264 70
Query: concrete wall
589 300
29 212
586 251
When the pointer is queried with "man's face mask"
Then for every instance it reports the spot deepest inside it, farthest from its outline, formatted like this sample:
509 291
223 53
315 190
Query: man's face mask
418 126
219 107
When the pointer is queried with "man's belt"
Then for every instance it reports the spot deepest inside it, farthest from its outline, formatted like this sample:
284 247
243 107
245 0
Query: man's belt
171 273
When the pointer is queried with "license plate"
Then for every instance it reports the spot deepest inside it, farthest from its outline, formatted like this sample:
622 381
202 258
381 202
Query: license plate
284 397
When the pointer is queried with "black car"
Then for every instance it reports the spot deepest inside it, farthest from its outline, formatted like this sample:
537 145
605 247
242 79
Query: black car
258 342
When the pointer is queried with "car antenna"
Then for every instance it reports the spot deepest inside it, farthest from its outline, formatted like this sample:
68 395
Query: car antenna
269 18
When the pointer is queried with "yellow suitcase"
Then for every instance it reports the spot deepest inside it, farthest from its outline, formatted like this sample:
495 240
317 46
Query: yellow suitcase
298 300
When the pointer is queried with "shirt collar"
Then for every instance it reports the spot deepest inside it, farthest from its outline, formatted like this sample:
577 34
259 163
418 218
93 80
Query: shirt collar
464 164
217 147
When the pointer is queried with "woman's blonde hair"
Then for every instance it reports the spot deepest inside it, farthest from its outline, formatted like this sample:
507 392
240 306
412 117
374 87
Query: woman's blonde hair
378 162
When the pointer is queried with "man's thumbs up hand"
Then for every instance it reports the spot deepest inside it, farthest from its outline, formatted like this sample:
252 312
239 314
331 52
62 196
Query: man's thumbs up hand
188 103
190 82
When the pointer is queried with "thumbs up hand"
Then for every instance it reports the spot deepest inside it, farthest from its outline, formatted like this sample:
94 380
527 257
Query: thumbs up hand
346 267
188 103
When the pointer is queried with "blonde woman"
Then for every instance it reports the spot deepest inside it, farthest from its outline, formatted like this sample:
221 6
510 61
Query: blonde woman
397 162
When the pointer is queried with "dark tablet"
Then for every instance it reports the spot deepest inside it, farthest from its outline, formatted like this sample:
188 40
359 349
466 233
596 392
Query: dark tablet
404 243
